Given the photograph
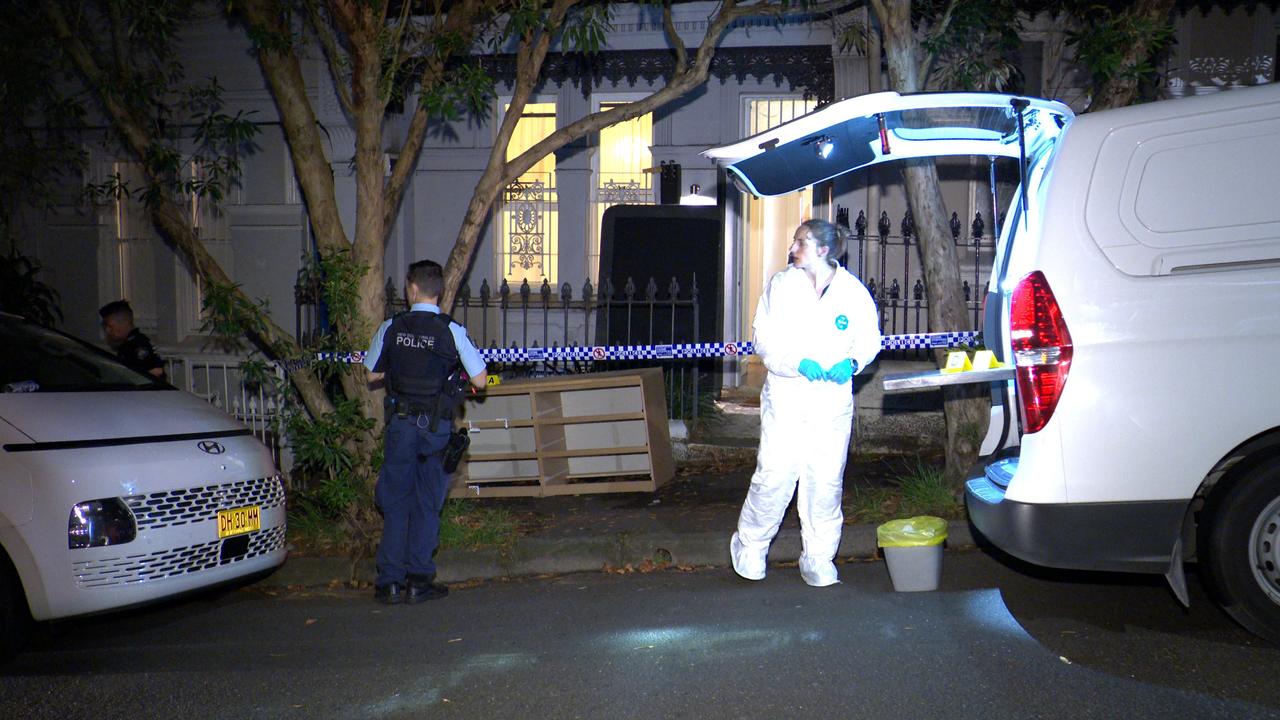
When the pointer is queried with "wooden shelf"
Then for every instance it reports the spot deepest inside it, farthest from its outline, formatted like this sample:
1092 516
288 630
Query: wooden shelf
489 457
583 433
587 419
492 424
596 452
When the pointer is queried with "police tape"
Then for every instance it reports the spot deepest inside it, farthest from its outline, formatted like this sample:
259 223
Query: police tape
604 353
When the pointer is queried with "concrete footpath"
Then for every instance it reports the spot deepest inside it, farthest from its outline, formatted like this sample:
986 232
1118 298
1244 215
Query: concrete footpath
687 522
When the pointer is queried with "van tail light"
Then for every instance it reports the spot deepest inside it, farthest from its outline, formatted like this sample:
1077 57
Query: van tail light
1041 350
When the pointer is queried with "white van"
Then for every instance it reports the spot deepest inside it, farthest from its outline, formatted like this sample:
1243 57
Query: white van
115 489
1136 293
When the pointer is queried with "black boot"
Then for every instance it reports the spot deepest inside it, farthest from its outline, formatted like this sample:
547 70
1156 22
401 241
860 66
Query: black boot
424 587
389 594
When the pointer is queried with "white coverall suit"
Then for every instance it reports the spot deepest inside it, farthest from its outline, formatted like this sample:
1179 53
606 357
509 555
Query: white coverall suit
804 425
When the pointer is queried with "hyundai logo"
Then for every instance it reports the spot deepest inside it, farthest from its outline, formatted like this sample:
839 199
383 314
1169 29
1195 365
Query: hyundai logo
211 447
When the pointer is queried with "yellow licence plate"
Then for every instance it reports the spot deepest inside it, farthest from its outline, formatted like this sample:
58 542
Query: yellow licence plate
238 521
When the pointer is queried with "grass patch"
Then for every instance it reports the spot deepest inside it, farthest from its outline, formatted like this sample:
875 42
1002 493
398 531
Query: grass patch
463 524
471 525
312 532
919 489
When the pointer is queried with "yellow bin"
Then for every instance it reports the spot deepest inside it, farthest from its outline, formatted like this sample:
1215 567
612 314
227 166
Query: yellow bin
913 551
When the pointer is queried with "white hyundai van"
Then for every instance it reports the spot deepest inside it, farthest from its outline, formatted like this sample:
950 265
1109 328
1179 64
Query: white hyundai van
116 489
1135 297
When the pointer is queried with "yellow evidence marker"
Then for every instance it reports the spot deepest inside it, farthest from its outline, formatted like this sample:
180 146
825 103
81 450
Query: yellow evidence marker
957 361
986 360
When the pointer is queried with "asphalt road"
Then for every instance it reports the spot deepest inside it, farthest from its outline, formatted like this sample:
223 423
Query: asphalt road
994 641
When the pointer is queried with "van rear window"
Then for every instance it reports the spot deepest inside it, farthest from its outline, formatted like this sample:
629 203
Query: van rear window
37 359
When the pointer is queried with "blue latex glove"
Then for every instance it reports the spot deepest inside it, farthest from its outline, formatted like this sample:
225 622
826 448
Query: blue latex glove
842 371
811 370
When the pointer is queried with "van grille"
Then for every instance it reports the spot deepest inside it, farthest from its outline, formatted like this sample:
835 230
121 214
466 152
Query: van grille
179 507
132 569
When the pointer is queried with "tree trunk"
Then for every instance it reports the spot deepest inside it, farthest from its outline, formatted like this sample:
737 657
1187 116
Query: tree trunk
965 407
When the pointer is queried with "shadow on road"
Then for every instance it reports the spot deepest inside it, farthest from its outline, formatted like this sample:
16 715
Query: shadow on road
1129 625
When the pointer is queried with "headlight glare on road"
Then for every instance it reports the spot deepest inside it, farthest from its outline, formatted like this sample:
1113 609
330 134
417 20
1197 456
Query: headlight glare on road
95 523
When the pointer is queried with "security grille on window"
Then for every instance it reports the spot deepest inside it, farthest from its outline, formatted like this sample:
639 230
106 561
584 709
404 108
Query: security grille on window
529 220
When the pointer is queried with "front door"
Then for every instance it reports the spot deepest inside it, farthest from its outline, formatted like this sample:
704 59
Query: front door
767 225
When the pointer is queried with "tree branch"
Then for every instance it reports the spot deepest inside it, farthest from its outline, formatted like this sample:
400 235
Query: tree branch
118 46
926 65
461 19
673 37
683 80
129 127
398 39
333 55
306 146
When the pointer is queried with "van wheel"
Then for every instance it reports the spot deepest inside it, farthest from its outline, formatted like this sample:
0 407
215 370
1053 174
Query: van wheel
15 618
1244 551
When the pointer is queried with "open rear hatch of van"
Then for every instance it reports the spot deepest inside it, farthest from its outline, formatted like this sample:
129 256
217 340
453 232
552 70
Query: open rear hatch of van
882 127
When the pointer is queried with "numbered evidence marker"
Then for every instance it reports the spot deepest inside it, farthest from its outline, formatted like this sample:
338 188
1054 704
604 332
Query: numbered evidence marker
985 360
957 361
493 380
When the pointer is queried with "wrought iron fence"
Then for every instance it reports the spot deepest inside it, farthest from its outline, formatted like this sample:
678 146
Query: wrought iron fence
545 316
891 267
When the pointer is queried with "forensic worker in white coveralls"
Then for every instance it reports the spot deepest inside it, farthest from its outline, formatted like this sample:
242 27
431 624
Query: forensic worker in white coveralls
815 327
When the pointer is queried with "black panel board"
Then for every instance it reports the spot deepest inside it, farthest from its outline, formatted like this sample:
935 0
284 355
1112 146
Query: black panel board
662 242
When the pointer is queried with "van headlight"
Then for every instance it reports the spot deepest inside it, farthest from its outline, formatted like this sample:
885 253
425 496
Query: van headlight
95 523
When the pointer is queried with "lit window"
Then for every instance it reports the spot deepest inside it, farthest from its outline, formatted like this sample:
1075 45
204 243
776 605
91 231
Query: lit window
620 177
530 212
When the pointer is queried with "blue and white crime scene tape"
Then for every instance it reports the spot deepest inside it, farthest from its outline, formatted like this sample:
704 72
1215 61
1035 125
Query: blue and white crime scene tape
601 353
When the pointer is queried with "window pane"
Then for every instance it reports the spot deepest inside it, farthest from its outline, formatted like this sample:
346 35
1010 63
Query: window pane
621 160
529 221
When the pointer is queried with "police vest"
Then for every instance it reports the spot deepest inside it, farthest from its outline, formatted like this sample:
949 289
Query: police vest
418 355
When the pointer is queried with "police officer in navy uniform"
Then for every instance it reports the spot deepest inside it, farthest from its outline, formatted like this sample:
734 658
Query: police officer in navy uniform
132 347
419 355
